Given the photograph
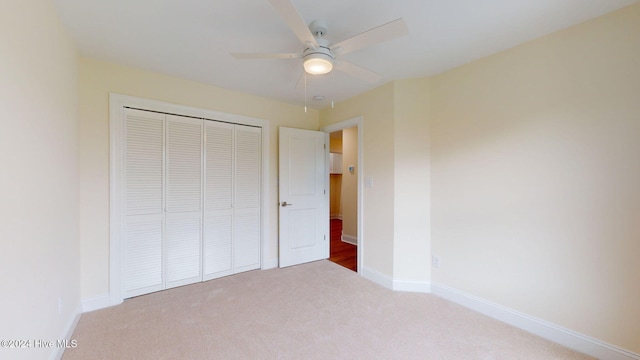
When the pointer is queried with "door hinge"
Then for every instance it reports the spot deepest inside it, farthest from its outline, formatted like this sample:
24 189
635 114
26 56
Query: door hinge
324 146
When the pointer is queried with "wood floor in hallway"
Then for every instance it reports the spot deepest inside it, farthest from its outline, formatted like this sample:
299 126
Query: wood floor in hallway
342 253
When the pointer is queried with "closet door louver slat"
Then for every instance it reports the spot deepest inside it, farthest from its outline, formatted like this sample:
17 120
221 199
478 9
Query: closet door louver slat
247 198
142 257
218 204
183 156
183 251
143 163
143 207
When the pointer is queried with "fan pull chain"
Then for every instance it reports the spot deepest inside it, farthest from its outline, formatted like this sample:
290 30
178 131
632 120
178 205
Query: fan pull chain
305 91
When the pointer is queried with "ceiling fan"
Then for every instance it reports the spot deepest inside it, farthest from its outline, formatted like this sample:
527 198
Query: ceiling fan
319 54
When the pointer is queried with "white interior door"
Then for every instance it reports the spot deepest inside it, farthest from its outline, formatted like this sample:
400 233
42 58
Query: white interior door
303 178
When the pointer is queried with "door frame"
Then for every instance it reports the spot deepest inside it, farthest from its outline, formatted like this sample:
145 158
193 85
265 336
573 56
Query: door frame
117 103
355 122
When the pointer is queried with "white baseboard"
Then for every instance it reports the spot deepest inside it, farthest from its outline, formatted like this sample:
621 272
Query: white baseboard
269 264
395 284
336 216
96 303
104 301
377 277
67 332
549 331
412 286
353 240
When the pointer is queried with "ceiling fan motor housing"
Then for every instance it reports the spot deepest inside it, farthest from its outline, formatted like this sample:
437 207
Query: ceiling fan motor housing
318 61
318 28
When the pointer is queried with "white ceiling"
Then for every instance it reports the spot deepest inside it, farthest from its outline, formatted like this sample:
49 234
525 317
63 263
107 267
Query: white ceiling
192 39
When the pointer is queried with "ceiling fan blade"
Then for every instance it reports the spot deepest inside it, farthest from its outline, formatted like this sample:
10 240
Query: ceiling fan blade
388 31
266 56
290 15
357 71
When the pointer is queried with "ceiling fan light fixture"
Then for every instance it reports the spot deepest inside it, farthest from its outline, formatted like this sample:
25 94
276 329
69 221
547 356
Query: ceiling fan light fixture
318 63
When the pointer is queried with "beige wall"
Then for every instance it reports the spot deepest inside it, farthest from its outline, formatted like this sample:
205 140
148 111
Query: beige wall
335 193
349 193
526 165
412 246
396 157
335 143
39 242
376 109
535 178
97 79
529 161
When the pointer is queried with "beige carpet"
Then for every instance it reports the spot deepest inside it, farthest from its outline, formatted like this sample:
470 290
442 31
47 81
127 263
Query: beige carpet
313 311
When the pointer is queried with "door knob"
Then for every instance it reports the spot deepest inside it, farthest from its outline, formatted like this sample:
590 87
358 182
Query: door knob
284 203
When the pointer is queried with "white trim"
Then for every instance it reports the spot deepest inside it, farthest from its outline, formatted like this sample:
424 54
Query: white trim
264 211
412 286
96 303
67 332
359 122
377 277
271 263
547 330
116 122
353 240
327 198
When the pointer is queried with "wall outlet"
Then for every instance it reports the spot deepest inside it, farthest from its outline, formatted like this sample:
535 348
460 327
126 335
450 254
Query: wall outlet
435 261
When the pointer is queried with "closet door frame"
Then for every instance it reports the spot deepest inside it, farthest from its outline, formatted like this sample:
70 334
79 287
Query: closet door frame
117 104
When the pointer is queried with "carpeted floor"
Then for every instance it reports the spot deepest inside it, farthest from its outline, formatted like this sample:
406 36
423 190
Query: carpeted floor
318 310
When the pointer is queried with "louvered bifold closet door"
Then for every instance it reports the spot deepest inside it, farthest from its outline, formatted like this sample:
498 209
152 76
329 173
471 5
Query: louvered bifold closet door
218 200
143 203
183 200
248 169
